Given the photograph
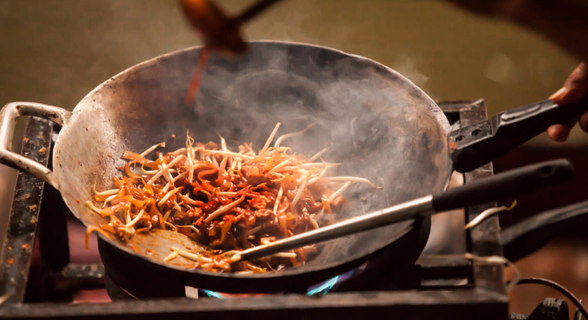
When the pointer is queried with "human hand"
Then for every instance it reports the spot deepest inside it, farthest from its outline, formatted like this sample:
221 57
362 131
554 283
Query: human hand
574 89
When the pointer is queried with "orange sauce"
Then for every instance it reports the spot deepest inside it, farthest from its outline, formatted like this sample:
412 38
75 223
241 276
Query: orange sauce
195 84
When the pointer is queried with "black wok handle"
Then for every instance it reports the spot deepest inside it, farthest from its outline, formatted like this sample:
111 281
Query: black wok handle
530 235
506 184
478 144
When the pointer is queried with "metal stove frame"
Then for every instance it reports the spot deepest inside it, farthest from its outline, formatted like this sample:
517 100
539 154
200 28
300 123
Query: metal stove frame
482 293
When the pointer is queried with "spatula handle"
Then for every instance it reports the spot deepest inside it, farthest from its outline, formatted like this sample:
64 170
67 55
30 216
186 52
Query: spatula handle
513 182
510 183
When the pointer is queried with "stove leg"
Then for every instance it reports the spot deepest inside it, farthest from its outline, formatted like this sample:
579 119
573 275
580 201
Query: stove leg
53 240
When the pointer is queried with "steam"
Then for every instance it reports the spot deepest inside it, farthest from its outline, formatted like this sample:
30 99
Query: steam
375 122
408 66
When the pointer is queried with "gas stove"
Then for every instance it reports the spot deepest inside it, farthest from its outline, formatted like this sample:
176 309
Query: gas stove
440 286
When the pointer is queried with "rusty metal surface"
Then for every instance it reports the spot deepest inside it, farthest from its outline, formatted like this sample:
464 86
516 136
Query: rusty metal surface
22 227
449 266
81 271
466 304
484 238
80 277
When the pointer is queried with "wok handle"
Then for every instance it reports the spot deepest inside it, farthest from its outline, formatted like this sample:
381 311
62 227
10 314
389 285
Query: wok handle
517 181
478 144
531 234
8 117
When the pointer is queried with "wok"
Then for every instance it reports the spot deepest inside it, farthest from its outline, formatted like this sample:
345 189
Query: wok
382 127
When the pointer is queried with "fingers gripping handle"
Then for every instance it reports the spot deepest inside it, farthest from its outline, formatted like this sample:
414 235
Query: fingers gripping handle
8 117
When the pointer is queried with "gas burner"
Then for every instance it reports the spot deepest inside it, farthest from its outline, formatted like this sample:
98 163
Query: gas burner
117 292
318 289
373 275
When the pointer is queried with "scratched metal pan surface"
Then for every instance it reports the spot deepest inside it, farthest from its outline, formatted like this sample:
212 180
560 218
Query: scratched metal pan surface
382 127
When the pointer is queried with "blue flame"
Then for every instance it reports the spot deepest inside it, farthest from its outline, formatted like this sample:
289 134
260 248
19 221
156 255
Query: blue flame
324 287
320 288
213 294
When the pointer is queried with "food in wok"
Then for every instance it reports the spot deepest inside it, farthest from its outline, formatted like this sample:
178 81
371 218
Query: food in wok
226 201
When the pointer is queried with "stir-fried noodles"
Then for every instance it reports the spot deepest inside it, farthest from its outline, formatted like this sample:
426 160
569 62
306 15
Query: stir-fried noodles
226 201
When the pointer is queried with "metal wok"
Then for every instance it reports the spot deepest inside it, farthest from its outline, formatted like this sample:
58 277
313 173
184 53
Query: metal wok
382 127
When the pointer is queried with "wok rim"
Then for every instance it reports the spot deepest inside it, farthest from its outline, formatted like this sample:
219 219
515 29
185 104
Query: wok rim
292 272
